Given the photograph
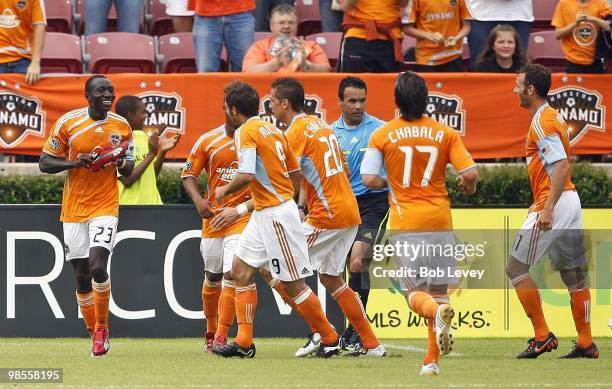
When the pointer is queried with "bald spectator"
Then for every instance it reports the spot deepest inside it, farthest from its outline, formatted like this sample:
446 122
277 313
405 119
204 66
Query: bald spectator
22 36
284 51
439 27
371 36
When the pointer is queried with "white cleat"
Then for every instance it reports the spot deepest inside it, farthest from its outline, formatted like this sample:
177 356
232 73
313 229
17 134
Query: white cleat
311 346
377 352
444 336
431 369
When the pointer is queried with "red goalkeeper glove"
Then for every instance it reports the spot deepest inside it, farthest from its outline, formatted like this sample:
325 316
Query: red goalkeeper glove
104 156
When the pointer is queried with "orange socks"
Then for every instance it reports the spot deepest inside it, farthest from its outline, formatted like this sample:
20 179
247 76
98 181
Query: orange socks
88 309
433 352
246 303
529 295
423 304
280 289
354 312
581 310
101 296
309 307
227 308
210 301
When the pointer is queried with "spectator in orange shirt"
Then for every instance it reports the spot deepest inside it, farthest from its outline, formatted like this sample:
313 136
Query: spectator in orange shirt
22 37
577 24
371 36
284 51
439 27
218 23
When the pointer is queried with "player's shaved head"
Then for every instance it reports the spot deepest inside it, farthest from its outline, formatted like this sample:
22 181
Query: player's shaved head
410 95
90 82
243 97
537 76
291 89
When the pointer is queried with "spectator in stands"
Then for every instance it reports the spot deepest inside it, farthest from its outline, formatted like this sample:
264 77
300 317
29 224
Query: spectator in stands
140 187
331 15
439 27
219 22
503 53
129 15
284 51
22 36
182 18
371 36
577 24
487 14
262 12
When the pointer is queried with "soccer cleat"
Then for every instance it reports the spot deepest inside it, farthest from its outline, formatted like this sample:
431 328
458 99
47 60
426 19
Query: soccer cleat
431 369
219 341
328 350
101 344
536 348
578 352
350 339
311 346
377 352
443 328
233 350
210 339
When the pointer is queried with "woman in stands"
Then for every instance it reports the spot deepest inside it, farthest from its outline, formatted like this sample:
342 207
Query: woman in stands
503 53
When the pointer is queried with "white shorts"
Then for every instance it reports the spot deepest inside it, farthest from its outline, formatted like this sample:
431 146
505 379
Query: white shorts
563 243
97 232
273 238
328 249
177 8
431 266
218 253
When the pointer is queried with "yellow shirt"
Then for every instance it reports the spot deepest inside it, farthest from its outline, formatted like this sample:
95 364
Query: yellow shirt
144 190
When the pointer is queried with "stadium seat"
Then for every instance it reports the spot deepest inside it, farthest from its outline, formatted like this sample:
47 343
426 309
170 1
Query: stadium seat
160 23
120 52
178 53
111 21
546 50
61 53
59 15
330 42
543 11
309 19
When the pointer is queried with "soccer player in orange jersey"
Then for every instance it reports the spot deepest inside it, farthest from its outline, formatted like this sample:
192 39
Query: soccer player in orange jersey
273 236
333 215
554 223
414 150
90 204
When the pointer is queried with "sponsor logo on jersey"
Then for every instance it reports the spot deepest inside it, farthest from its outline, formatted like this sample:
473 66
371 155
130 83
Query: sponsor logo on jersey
8 19
19 116
313 105
227 173
164 112
580 108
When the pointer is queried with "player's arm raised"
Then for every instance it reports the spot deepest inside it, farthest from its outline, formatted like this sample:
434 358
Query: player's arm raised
52 165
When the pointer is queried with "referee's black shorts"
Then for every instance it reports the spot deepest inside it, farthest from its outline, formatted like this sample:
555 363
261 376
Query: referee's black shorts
374 212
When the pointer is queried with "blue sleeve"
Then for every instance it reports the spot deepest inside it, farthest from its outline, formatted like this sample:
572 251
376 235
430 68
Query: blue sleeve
551 150
247 160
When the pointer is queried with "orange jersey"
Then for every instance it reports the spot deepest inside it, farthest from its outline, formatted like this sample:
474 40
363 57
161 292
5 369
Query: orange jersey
437 16
546 143
331 202
17 27
215 153
88 194
415 154
382 11
263 151
579 46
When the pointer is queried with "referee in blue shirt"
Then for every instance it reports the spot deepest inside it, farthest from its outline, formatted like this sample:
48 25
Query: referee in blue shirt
353 130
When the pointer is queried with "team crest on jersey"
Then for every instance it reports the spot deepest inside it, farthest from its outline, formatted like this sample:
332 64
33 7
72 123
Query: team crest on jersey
453 3
164 112
114 139
580 108
188 165
445 109
313 105
19 116
585 34
226 174
21 4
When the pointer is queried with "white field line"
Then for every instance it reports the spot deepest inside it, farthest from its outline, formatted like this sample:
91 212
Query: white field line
415 349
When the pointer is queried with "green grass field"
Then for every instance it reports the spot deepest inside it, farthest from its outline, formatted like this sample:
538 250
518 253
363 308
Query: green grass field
180 363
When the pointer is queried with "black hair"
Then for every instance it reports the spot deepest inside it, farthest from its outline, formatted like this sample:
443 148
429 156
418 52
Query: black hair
127 104
243 97
410 95
291 89
350 82
538 76
90 81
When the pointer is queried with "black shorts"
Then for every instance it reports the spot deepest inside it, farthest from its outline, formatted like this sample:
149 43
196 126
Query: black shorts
374 212
362 56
